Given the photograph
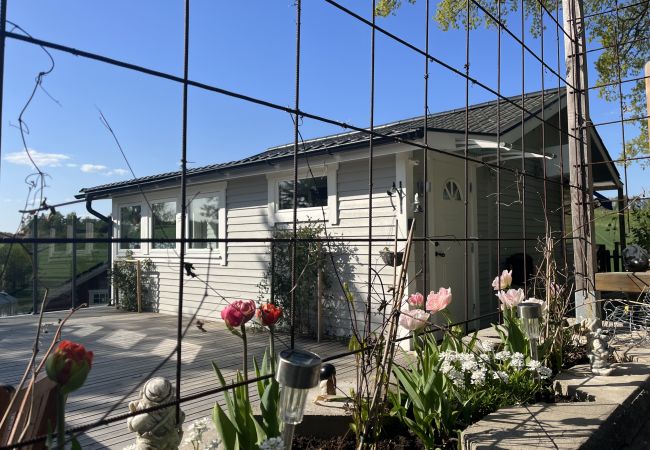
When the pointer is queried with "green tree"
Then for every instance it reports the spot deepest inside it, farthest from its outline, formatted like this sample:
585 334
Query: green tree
17 272
624 36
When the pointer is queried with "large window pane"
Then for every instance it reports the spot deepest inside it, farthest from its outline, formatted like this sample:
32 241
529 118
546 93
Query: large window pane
311 192
163 223
204 221
130 226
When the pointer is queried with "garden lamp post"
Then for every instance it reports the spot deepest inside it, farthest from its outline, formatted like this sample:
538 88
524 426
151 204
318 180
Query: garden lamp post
298 372
530 313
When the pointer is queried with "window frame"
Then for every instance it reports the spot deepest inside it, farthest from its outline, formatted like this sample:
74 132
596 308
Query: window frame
143 245
177 233
219 191
315 213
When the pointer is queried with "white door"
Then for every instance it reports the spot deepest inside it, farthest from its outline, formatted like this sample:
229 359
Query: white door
447 215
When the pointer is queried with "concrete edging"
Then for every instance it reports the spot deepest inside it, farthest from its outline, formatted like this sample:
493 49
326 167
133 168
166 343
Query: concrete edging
619 410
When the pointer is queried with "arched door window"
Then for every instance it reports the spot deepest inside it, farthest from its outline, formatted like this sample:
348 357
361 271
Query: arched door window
452 191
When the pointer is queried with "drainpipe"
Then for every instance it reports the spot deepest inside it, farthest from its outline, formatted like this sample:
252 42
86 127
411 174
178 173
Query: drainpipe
109 222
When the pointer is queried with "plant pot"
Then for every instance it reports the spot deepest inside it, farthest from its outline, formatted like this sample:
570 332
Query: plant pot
391 258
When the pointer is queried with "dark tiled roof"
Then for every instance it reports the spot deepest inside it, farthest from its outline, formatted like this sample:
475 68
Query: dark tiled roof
482 120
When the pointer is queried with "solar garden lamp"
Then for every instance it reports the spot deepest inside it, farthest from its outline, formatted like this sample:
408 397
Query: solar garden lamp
298 372
530 313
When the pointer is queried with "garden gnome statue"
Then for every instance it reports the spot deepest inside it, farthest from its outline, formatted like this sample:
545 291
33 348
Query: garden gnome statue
156 430
599 350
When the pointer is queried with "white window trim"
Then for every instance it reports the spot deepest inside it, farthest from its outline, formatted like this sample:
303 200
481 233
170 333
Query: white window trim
213 190
146 221
276 215
144 246
177 235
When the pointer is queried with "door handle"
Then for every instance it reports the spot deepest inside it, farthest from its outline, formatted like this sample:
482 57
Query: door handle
441 254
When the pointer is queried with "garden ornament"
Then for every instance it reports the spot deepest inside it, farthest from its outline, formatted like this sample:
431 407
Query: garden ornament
327 380
598 347
156 430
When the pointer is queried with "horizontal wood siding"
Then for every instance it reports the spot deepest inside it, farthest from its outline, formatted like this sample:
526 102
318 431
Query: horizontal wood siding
511 230
247 218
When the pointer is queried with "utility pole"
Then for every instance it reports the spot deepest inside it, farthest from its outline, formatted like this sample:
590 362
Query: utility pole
580 173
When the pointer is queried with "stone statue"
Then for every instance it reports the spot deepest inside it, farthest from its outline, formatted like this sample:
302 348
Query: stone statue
598 348
156 430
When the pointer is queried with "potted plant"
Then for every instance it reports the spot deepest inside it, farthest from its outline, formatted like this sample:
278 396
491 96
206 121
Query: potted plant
391 258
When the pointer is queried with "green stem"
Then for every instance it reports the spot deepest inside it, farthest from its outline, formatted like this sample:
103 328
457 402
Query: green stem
60 419
243 336
272 348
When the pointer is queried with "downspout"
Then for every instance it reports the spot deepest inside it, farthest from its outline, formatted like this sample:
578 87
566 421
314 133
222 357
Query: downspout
109 222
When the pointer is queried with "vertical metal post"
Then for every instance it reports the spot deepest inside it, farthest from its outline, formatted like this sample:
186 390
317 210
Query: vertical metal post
647 96
73 280
35 265
3 28
296 134
621 205
320 286
183 199
138 288
580 170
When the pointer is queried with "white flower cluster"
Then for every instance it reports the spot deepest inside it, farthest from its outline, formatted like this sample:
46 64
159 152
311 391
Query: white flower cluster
274 443
195 433
213 445
457 365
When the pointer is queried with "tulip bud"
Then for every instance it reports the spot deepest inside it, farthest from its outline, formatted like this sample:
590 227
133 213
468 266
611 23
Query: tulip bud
69 365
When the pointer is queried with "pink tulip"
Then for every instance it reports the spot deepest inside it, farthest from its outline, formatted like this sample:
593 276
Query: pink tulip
232 316
437 301
416 301
238 312
511 297
248 308
503 281
413 320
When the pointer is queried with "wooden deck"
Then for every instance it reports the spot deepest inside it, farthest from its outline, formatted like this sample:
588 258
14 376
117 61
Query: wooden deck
130 348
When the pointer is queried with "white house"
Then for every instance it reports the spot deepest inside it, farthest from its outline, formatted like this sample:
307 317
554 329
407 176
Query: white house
243 200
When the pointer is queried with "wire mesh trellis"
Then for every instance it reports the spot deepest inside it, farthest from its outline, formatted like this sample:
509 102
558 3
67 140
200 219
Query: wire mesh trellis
573 137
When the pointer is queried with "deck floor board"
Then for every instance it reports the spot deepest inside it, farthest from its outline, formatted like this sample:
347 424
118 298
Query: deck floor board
128 348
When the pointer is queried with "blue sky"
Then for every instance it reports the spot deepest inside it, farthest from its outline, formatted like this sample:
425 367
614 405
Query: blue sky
247 47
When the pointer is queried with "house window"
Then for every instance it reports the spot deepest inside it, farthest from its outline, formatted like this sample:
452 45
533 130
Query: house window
311 192
130 219
452 191
316 193
203 217
163 224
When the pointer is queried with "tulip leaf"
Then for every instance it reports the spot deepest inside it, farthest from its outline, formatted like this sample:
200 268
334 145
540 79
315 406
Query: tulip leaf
227 431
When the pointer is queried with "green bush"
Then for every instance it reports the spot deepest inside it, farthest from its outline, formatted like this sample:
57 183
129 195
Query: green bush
124 279
333 258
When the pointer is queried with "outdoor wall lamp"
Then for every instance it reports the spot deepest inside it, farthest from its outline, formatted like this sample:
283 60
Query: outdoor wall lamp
298 372
530 313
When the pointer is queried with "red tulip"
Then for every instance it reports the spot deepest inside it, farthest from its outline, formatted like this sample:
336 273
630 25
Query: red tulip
268 314
69 365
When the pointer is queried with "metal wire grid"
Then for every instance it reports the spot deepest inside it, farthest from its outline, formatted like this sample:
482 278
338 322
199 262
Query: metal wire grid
297 113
